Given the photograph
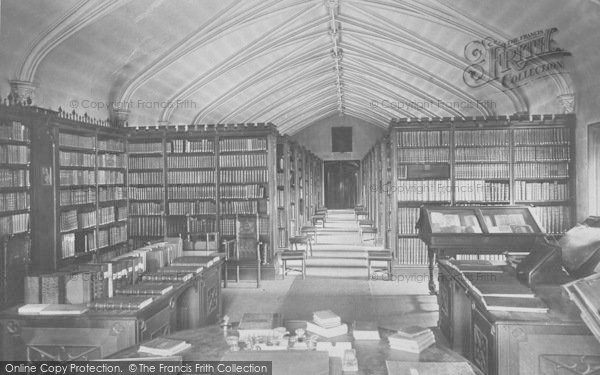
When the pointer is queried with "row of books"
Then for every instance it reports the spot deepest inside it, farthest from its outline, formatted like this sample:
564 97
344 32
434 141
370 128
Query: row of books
14 201
191 177
69 197
280 198
117 234
114 145
242 191
555 219
490 137
547 136
542 153
263 225
242 161
146 162
280 179
238 207
242 144
183 145
77 243
68 220
418 155
77 177
79 141
434 138
481 191
198 225
14 131
227 226
14 224
11 178
111 161
145 208
145 147
191 161
424 190
176 226
412 251
106 215
14 154
244 176
147 193
192 208
191 192
476 154
496 258
110 177
122 213
76 159
142 226
482 171
546 170
407 220
541 191
147 178
86 219
111 193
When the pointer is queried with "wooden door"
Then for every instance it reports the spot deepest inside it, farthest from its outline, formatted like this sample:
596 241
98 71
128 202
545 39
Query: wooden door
341 184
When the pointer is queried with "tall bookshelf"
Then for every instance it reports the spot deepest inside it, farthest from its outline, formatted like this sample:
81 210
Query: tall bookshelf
516 160
283 192
191 184
15 207
146 178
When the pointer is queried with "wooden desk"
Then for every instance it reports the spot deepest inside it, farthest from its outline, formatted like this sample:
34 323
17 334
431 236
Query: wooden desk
192 304
208 344
501 342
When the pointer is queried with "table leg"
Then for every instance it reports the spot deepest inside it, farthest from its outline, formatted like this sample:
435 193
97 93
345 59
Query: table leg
431 259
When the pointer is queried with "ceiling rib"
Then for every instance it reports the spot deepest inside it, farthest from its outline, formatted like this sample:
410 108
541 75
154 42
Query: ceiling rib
336 52
221 24
76 18
300 57
257 48
318 67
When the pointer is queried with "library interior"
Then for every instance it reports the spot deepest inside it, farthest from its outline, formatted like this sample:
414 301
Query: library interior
300 187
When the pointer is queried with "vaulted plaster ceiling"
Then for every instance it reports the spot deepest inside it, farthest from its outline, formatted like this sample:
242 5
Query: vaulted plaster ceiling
290 62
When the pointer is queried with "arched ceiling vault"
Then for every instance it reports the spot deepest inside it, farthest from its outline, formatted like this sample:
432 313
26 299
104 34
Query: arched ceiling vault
290 62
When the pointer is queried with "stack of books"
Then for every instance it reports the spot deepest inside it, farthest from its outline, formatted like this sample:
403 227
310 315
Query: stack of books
362 330
326 323
145 288
163 346
412 339
52 309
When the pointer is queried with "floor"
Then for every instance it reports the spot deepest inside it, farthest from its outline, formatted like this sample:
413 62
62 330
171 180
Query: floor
337 280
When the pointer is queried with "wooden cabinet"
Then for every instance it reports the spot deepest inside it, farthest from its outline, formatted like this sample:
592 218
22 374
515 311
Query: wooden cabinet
501 342
97 334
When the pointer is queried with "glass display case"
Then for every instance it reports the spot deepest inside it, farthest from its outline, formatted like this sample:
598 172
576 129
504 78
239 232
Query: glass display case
479 230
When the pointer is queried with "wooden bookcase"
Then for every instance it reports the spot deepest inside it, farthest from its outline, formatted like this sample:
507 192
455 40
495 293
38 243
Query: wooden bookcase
524 160
15 206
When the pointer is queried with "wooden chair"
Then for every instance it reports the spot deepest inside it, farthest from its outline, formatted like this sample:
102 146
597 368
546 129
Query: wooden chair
368 234
296 255
318 218
380 256
245 250
304 241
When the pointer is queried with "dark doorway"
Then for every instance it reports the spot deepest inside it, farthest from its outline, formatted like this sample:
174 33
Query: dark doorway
341 183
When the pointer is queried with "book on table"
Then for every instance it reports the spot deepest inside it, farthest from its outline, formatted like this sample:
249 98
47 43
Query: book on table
52 309
122 302
258 324
167 277
192 260
179 269
515 304
364 330
163 346
326 318
412 340
339 330
145 288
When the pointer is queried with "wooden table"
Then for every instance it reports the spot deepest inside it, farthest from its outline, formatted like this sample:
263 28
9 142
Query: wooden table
192 304
208 344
